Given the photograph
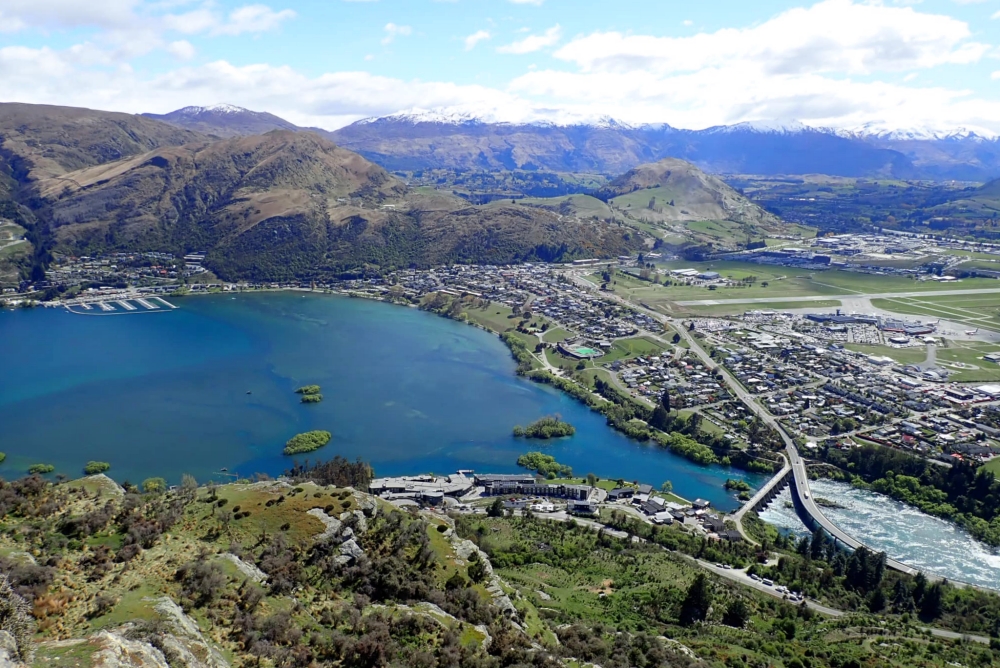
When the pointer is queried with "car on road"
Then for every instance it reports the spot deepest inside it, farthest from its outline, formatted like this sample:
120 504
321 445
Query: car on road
768 583
754 576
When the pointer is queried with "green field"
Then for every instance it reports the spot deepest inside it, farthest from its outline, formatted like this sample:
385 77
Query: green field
993 466
556 335
976 310
620 349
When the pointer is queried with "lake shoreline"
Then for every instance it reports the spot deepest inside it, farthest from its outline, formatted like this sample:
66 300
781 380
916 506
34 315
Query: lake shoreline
422 396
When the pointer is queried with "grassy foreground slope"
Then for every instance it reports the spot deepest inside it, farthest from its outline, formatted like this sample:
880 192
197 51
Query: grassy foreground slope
313 573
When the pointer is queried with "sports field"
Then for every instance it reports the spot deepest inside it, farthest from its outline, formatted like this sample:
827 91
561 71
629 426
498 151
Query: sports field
980 310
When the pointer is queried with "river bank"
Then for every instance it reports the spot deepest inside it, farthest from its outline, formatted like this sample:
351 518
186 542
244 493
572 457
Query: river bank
904 533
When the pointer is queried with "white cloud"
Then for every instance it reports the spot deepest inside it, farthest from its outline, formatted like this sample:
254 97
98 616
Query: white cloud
476 38
687 23
995 76
192 22
831 36
527 2
253 18
533 43
392 31
21 14
182 49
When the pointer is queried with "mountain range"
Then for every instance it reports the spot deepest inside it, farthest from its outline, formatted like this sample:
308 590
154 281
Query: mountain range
459 140
274 206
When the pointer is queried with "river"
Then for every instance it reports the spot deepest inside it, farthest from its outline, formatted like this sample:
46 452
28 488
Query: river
211 386
903 532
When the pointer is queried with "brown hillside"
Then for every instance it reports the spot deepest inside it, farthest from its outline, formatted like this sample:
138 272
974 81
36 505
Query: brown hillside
695 194
283 204
46 141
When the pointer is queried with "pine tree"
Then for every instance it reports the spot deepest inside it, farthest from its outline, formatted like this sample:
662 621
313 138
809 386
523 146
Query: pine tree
697 602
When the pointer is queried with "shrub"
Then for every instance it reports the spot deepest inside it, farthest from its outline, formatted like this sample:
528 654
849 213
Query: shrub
154 485
41 468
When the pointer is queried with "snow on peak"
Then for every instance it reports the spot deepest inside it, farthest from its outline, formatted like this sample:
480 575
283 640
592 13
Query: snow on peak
446 116
611 124
472 116
216 109
883 130
770 127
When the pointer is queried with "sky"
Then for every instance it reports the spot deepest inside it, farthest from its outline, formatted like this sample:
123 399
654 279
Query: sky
892 64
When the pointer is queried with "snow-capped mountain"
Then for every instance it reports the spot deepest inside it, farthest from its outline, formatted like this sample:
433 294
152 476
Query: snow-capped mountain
225 120
889 132
772 127
485 138
216 109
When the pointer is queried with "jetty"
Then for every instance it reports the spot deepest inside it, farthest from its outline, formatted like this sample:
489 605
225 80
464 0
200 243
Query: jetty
105 306
146 304
165 302
125 305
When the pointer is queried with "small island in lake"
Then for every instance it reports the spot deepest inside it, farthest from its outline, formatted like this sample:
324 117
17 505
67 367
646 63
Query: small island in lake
41 468
544 465
307 442
547 427
737 485
310 394
93 468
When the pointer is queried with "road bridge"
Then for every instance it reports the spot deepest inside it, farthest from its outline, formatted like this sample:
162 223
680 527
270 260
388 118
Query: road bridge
767 493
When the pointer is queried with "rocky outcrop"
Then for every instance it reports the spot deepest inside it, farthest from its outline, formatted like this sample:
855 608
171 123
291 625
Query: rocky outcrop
108 487
464 549
249 570
332 524
8 651
117 651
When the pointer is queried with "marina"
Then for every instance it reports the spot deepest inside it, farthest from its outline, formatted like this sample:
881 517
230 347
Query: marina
121 303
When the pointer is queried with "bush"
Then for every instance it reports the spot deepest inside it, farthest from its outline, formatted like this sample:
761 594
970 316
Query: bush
307 442
41 468
154 485
93 468
308 390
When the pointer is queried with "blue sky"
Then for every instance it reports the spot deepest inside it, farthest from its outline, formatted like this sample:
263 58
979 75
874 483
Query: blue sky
841 63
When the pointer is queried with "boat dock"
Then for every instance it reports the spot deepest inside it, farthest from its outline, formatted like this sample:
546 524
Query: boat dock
165 302
147 304
125 305
105 306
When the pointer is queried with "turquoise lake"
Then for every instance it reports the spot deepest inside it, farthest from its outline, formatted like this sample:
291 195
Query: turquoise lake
161 394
